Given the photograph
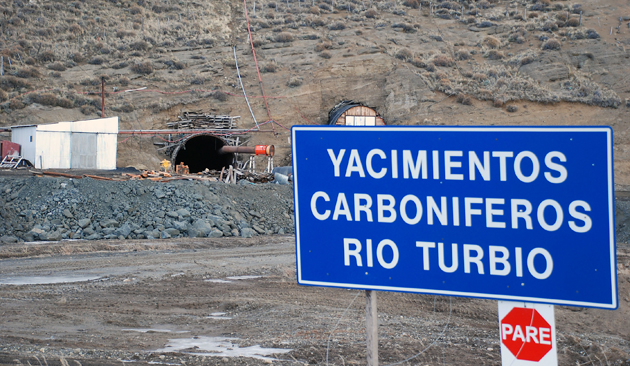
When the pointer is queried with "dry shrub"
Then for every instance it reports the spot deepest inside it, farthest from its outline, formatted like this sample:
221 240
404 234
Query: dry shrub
326 54
16 103
220 96
120 65
229 62
464 99
123 81
337 26
532 15
325 45
418 62
28 72
257 42
314 10
269 67
550 26
491 42
135 10
48 99
98 60
4 96
294 82
123 33
64 103
414 4
441 75
442 60
284 37
494 55
552 44
175 64
75 29
479 76
408 28
498 103
371 13
30 61
77 57
57 66
87 109
463 54
11 82
317 22
430 66
404 54
143 68
139 46
46 56
511 108
573 22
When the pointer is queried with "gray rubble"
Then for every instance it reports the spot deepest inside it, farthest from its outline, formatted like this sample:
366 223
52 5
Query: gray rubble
51 209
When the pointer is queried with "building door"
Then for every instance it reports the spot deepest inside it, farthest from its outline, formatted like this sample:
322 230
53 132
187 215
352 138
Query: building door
83 151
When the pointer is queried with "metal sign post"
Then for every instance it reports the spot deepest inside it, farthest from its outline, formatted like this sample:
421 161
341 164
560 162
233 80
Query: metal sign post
371 327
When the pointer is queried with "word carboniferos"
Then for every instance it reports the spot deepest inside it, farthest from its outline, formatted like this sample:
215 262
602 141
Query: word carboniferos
412 209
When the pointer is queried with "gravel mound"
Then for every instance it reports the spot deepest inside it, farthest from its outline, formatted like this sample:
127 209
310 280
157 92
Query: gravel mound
57 208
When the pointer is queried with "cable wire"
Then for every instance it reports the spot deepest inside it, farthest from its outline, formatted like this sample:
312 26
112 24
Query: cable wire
243 88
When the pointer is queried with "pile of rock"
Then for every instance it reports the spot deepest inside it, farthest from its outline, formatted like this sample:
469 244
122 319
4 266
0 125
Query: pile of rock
57 208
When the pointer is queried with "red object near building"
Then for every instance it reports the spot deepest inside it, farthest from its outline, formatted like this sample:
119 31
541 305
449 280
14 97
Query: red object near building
9 148
526 334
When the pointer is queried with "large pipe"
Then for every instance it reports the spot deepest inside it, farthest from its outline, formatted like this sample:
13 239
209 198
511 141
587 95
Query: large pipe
182 132
267 150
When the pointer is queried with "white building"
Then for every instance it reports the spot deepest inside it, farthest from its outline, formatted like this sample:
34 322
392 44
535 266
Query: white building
88 144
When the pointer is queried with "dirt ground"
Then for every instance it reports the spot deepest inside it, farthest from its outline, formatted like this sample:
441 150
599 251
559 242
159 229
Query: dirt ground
168 302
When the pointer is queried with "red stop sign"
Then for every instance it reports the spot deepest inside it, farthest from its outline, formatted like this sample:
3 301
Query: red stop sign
526 334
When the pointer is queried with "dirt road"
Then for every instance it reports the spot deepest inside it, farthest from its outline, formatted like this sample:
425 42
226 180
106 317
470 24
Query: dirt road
234 301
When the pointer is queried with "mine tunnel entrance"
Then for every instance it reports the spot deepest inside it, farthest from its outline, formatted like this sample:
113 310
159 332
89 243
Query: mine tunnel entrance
202 151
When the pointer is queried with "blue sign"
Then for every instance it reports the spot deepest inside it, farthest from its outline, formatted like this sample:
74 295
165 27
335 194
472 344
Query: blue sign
506 213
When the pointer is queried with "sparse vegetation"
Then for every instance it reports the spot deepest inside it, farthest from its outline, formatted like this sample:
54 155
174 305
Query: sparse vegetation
325 54
28 72
442 60
371 14
269 67
98 60
337 26
463 99
220 96
404 54
57 66
11 82
494 55
284 37
491 42
143 68
294 82
463 54
552 44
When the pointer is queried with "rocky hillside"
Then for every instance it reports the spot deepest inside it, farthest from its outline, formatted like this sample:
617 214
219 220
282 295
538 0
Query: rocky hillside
417 62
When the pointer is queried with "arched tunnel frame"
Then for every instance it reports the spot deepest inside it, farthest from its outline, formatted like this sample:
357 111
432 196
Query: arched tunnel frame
201 151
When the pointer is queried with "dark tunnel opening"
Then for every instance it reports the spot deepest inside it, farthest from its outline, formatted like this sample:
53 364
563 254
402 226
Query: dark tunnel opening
202 151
